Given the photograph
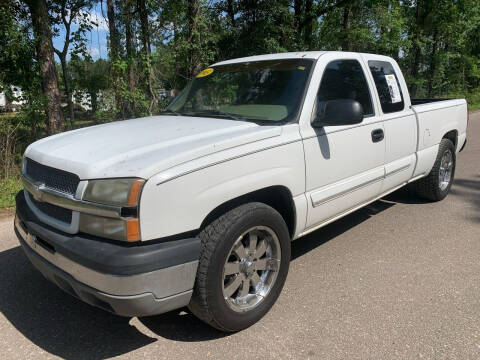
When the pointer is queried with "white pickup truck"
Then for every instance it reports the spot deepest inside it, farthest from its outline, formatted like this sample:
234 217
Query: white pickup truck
198 206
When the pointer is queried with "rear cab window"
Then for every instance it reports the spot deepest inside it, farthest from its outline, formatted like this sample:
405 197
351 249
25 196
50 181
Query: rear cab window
388 86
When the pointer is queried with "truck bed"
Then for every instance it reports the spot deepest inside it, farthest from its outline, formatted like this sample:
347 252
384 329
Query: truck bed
437 117
427 101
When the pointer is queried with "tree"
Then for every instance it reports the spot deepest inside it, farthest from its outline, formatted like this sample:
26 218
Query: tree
45 58
157 44
116 68
17 50
64 13
114 35
129 24
145 31
90 76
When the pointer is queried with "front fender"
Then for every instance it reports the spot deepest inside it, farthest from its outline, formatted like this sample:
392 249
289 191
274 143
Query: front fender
174 204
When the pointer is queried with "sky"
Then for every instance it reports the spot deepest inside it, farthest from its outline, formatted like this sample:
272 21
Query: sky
96 39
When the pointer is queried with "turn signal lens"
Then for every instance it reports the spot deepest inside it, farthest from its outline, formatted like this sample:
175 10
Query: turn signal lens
133 230
135 190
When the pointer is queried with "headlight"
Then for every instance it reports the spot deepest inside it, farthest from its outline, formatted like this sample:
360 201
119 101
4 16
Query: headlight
115 229
121 192
117 192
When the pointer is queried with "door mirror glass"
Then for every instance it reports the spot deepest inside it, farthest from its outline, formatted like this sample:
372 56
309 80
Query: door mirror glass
338 112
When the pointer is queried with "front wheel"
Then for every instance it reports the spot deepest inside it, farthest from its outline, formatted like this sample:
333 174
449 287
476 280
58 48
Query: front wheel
243 266
436 185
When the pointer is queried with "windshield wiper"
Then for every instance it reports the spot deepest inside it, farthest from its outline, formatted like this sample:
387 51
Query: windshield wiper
221 113
168 111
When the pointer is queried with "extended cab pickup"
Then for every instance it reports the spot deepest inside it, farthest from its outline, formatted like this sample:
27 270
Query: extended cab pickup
197 206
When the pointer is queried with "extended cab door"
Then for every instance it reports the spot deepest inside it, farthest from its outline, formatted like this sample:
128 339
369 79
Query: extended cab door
400 123
344 164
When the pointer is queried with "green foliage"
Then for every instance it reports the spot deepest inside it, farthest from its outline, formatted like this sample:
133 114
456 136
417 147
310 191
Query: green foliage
17 50
9 187
436 42
90 77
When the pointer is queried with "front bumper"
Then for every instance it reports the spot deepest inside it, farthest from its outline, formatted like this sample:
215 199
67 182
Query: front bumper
127 280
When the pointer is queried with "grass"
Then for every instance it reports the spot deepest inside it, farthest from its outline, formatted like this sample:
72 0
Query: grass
9 187
474 106
473 99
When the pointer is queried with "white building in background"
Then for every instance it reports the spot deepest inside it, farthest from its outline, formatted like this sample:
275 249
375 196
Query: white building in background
164 93
82 98
14 105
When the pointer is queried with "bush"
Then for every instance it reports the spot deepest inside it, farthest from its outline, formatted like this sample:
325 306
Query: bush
9 187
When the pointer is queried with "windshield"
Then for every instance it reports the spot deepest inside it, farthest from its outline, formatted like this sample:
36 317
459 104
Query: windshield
262 91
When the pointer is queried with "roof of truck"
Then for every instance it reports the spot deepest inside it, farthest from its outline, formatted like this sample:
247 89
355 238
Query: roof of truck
293 55
287 55
300 55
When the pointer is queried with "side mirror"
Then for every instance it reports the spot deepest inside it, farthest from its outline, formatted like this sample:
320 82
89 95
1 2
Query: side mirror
338 112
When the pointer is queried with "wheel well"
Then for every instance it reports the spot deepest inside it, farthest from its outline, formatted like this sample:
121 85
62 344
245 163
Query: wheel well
452 136
278 197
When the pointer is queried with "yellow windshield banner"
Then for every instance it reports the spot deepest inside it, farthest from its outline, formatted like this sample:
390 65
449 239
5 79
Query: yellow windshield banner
205 72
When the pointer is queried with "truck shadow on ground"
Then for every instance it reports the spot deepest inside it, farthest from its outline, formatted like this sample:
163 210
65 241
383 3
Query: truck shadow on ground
469 191
66 327
56 322
336 228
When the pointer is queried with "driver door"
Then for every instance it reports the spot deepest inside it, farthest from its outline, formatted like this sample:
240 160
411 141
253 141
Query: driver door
344 163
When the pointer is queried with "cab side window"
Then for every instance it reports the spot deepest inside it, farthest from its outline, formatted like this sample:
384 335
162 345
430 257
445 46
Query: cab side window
388 86
344 79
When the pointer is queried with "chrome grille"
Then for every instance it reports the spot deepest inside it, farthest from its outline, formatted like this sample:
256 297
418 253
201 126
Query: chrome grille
59 180
56 212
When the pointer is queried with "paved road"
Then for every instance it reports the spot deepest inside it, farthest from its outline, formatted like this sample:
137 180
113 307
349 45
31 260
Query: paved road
399 279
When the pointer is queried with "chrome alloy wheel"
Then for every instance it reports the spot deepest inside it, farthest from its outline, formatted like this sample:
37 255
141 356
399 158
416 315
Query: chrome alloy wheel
446 168
251 268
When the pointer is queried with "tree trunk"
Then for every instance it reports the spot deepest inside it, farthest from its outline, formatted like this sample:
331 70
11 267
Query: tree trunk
142 9
44 47
298 16
130 57
66 85
345 27
114 54
420 14
145 29
192 28
112 28
308 29
8 106
432 68
94 101
231 12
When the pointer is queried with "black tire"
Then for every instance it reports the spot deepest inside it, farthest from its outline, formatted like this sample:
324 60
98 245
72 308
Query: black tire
429 186
208 302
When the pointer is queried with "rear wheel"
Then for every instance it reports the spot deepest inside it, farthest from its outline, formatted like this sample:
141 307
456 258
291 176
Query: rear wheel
436 185
243 266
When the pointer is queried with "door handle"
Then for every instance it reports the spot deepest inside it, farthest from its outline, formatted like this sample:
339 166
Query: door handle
377 135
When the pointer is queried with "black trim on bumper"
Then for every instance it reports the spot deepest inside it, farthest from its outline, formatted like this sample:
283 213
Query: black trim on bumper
136 305
105 256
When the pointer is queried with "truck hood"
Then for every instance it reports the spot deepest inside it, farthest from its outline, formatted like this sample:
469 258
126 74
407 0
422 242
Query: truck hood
143 147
